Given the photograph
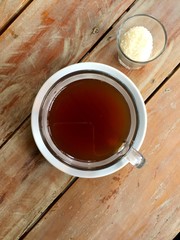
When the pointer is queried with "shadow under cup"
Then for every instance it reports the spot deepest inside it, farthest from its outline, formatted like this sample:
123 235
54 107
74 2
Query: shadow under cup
65 160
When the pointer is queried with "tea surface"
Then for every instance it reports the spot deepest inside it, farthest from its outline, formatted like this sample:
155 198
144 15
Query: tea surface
89 120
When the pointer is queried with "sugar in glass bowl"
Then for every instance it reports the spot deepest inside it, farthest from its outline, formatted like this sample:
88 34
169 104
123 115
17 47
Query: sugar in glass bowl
140 39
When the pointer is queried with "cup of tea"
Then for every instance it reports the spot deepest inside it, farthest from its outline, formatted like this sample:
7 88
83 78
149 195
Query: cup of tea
89 120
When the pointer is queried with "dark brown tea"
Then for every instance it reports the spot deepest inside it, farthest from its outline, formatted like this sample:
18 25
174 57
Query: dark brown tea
89 120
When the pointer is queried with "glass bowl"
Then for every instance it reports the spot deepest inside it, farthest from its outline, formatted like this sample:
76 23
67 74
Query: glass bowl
155 29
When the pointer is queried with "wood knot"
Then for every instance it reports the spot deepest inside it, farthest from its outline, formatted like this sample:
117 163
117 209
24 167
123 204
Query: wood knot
167 90
95 30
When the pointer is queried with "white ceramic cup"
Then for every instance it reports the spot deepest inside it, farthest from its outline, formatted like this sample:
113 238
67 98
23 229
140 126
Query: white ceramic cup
128 153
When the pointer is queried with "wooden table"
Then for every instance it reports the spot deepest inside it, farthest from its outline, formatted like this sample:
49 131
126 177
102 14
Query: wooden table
38 201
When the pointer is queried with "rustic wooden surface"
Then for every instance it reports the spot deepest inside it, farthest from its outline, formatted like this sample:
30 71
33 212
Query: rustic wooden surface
25 64
28 184
10 9
44 38
130 204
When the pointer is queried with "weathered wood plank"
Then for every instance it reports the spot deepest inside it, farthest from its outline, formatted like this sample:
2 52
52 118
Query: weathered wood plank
28 184
47 36
130 204
9 9
148 78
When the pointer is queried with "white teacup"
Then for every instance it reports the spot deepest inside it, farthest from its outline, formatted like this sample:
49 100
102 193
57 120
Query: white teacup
127 152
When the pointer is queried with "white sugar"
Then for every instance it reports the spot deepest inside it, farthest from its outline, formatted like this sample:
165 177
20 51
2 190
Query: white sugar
137 43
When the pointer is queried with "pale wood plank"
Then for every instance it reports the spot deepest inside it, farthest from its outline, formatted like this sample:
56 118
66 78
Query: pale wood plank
28 184
47 36
9 9
148 78
131 204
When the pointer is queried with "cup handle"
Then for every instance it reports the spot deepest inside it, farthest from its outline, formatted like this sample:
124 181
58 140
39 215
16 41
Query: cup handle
135 158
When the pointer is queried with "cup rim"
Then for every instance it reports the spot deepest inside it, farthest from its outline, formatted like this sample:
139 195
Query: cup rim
35 125
148 16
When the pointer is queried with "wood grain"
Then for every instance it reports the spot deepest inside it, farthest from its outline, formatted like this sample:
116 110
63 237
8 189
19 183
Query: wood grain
43 39
131 204
9 9
149 77
28 184
37 44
